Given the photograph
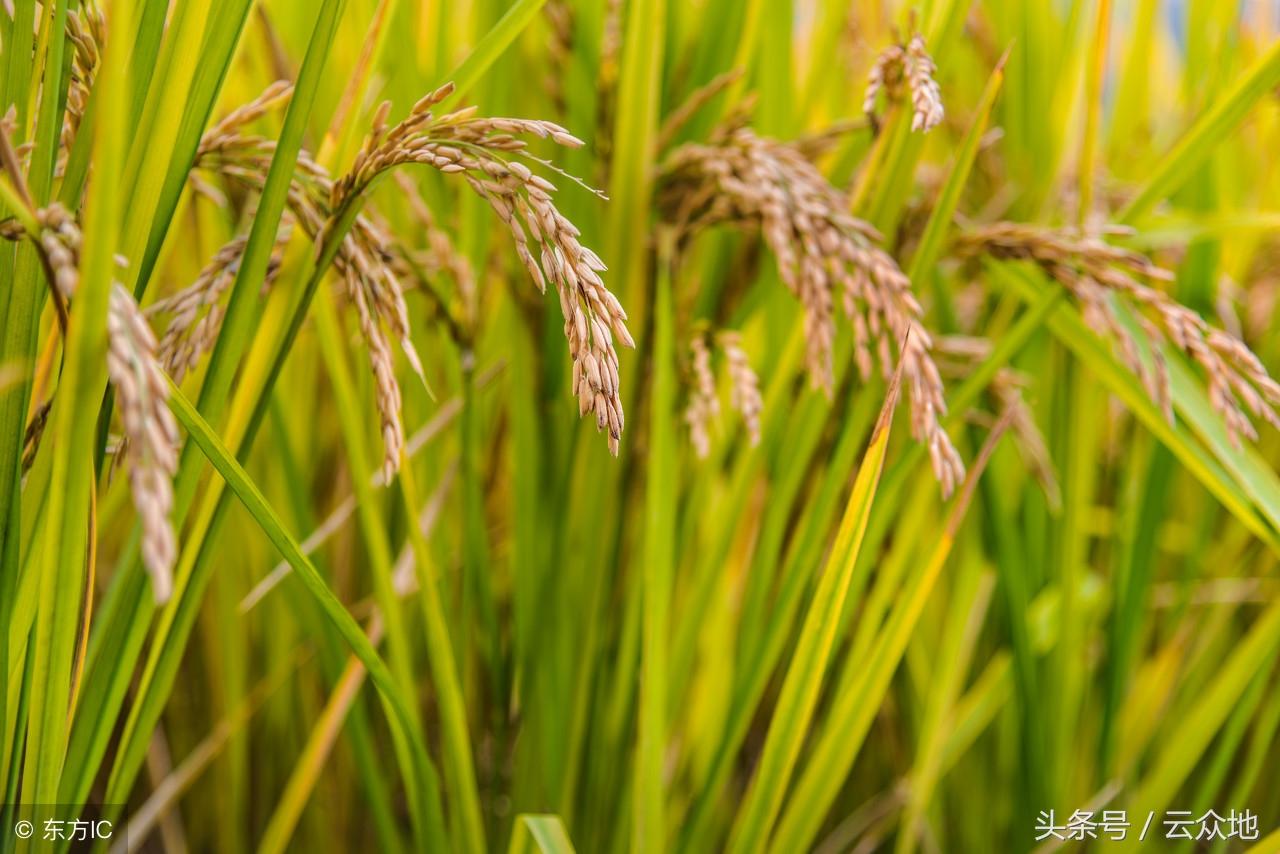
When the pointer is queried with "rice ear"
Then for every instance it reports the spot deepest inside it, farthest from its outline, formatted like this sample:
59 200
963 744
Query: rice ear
151 434
1091 269
824 256
485 152
906 67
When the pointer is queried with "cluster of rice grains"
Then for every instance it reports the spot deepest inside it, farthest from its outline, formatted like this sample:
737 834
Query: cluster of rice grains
150 434
440 255
908 68
823 254
491 156
195 315
60 243
1093 270
86 30
959 356
744 385
704 403
363 261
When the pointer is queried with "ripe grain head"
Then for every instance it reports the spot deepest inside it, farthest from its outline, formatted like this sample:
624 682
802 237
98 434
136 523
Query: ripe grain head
824 255
1093 271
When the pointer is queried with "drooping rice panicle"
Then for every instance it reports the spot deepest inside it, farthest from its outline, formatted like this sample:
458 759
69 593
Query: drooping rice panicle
744 385
229 128
195 317
60 243
885 76
823 254
958 356
488 153
362 261
1094 271
85 30
704 379
150 432
700 97
926 95
703 404
908 69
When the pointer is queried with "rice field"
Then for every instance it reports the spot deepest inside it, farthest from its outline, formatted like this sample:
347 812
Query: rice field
639 425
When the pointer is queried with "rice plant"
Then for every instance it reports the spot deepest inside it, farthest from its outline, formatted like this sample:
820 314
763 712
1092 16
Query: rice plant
468 426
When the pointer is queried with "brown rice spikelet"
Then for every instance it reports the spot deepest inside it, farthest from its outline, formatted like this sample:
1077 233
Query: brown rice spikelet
151 434
703 404
744 385
906 69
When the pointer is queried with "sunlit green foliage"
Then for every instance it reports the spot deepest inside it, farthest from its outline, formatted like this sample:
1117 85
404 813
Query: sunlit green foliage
522 642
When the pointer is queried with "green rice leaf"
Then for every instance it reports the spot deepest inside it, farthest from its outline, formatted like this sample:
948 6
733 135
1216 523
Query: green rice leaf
1203 137
539 834
398 710
796 704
